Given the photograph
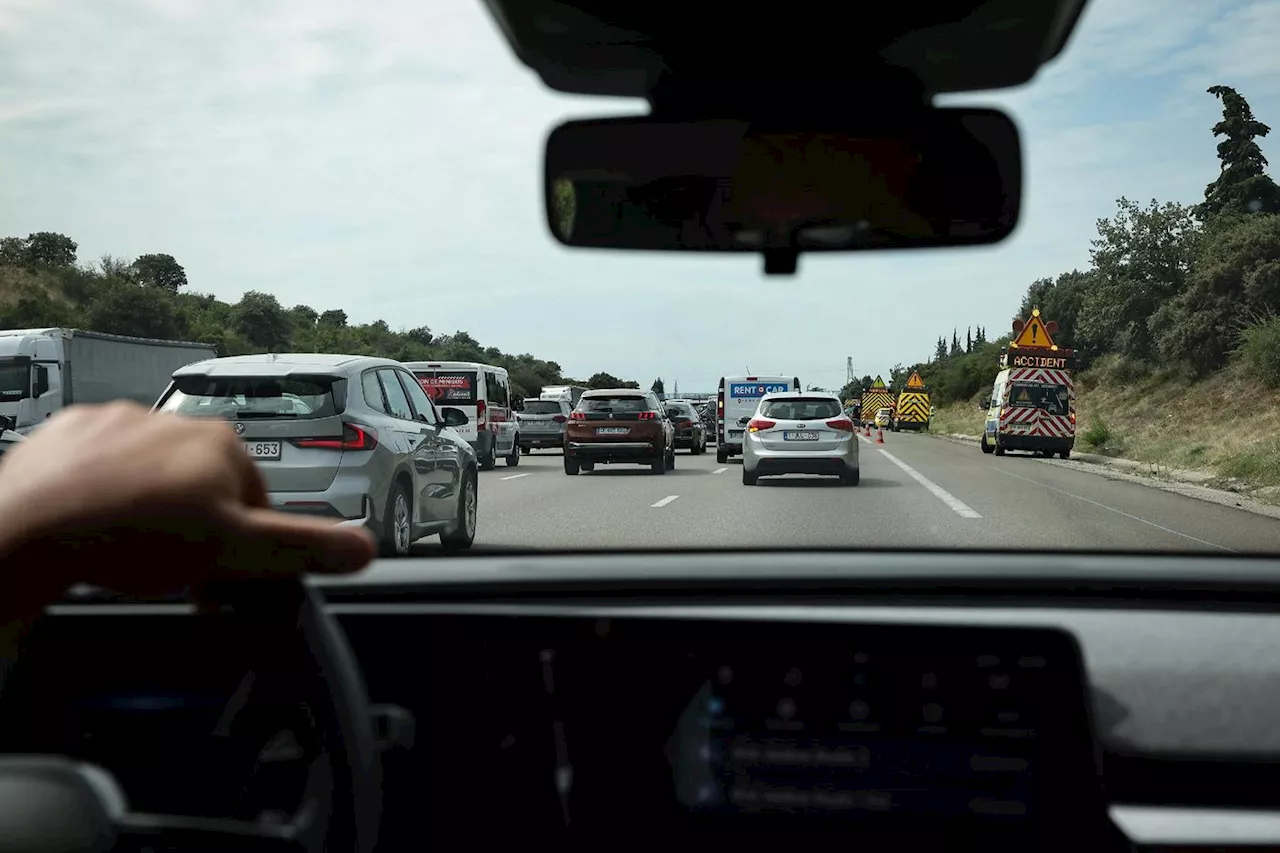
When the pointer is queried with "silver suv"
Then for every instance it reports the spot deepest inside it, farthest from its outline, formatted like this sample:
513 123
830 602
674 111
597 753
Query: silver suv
347 437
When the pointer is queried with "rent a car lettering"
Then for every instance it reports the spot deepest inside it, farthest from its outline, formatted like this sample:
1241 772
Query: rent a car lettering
752 389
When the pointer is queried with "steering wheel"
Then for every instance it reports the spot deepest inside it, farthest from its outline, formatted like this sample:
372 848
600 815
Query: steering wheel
56 803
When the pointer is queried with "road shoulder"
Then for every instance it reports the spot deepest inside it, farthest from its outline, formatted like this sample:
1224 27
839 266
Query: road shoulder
1185 483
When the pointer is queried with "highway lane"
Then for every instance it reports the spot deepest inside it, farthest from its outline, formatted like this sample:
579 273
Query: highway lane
916 492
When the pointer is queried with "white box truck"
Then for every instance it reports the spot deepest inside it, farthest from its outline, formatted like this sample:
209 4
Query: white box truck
43 371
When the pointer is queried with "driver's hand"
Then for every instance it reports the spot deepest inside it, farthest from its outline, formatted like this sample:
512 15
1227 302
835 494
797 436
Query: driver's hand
118 497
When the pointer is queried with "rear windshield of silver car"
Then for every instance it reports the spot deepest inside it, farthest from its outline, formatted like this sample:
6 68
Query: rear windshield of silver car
801 409
248 397
542 407
616 404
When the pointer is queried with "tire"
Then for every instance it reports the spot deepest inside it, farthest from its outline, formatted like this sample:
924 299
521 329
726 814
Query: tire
526 450
587 466
570 466
397 523
852 479
514 458
982 442
703 449
464 535
721 456
748 479
489 461
660 466
999 448
1064 454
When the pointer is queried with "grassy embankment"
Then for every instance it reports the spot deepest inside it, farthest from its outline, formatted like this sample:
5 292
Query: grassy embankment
1227 426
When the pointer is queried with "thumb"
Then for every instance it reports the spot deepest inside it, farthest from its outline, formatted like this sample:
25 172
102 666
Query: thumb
268 542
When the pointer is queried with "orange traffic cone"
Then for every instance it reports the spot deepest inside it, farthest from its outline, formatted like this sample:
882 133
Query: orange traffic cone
879 436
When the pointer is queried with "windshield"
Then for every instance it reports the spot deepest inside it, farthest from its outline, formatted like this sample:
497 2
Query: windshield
15 381
251 397
542 407
324 179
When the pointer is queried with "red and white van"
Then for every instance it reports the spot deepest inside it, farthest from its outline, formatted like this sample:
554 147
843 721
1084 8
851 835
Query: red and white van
483 392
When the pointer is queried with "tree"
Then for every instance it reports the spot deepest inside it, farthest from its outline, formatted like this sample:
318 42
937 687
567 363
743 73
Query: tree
817 388
968 339
159 270
334 317
1141 259
604 380
657 387
123 308
955 345
940 351
263 321
49 249
1242 186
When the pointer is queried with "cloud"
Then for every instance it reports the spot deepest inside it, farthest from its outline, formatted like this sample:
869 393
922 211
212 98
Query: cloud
387 160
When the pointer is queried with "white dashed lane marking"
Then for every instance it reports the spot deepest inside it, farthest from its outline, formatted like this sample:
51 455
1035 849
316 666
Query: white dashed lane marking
515 476
668 499
719 470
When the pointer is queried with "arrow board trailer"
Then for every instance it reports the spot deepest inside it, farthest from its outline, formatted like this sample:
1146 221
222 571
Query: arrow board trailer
736 401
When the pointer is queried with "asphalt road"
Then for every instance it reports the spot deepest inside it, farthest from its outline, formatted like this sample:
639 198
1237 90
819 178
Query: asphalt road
916 492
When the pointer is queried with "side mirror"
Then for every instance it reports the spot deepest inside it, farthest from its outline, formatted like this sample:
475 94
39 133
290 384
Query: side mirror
41 381
454 417
518 404
985 404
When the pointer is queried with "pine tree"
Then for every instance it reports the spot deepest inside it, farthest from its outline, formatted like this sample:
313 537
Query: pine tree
1242 185
968 339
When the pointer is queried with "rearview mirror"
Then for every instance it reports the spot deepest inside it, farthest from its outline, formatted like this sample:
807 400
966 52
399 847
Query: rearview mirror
944 177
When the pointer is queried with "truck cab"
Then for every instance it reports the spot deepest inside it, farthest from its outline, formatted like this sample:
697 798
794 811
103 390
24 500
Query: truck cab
30 377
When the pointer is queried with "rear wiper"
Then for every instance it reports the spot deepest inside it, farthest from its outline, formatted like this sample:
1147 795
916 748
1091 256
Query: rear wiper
250 415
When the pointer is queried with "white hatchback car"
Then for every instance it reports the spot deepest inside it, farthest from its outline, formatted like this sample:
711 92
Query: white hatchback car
800 432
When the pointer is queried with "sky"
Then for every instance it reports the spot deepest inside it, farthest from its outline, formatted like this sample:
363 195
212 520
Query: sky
389 164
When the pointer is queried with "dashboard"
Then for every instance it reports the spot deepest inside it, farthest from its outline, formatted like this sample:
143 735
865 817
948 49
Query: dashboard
805 698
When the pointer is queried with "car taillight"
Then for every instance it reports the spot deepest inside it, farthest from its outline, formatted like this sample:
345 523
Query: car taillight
353 438
647 416
577 416
559 419
841 424
481 411
757 424
1073 417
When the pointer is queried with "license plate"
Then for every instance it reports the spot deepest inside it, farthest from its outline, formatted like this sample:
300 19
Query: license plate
805 435
612 430
735 433
262 449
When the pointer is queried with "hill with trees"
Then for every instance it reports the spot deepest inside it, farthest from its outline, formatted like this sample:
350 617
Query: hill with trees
1175 323
42 283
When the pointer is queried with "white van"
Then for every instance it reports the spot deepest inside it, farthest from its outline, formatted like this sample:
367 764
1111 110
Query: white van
736 401
569 393
483 393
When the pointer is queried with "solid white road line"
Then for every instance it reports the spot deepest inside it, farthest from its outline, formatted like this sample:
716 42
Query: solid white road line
668 499
719 470
517 476
1121 512
960 507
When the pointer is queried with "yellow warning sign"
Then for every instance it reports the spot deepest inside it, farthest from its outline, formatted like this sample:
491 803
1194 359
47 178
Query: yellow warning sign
914 381
879 383
1033 333
1024 397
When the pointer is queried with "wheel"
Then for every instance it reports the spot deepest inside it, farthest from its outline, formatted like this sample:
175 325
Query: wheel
397 523
526 450
1064 454
660 465
721 456
703 448
999 448
748 479
982 442
671 458
570 466
489 460
852 479
514 458
464 534
588 466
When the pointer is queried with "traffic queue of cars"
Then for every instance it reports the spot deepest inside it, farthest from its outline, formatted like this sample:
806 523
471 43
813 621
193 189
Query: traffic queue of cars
397 447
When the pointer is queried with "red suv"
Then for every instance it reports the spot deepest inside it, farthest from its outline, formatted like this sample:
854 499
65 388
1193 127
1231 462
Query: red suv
619 425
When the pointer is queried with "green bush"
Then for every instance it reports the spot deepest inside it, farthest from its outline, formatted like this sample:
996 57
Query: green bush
1260 350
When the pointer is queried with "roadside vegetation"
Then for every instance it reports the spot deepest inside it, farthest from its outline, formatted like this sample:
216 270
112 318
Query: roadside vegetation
42 284
1175 324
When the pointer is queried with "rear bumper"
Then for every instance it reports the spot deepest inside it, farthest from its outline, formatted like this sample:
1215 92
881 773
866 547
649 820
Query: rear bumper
687 438
1036 442
538 440
764 463
614 451
348 509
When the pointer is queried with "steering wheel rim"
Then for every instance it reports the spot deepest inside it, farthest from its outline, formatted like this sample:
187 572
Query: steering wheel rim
291 613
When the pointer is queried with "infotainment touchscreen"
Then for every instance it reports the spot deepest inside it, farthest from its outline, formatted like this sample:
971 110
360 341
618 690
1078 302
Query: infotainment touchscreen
776 725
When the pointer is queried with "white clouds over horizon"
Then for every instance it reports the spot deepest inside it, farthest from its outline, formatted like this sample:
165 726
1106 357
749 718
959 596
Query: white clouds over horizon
389 164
